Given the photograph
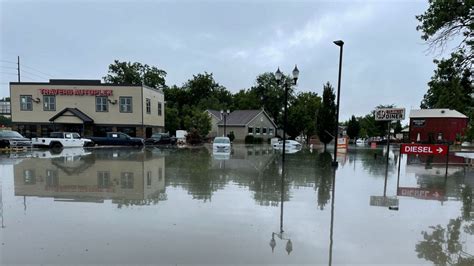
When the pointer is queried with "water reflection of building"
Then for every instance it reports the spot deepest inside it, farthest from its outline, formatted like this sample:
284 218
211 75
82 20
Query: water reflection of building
125 176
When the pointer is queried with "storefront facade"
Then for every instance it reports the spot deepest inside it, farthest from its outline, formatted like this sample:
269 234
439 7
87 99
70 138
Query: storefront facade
88 107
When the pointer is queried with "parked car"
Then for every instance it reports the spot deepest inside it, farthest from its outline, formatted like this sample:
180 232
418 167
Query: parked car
117 138
13 139
289 144
160 139
221 144
61 140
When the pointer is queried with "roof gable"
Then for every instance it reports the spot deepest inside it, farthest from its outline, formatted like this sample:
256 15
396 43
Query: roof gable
436 113
74 111
215 113
243 117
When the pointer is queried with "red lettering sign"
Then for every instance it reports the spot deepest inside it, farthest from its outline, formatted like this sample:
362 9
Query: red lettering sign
80 92
429 149
420 193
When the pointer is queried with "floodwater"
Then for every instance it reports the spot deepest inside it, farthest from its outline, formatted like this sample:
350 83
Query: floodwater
190 206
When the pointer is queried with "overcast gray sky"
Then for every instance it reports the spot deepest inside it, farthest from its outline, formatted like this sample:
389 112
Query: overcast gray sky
385 61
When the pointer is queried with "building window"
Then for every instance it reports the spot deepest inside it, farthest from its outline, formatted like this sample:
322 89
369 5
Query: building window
148 178
131 131
126 180
257 131
101 104
159 109
270 131
49 103
160 174
148 106
126 104
26 103
46 130
250 132
29 177
52 178
264 130
103 179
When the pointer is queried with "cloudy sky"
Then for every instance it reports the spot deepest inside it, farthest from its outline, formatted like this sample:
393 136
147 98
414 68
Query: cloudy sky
385 61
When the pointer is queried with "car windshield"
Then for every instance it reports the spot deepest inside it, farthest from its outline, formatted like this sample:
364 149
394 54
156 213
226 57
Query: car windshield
10 134
221 140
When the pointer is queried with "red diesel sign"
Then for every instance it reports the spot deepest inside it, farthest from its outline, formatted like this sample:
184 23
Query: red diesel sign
428 149
420 193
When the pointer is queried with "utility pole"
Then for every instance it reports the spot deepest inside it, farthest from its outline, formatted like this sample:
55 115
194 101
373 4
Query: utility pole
18 69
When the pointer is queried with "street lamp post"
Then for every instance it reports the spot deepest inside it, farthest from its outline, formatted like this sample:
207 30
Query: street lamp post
278 77
339 43
225 114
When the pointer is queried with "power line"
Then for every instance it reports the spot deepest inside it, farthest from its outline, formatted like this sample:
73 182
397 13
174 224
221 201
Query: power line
8 73
9 67
23 65
6 61
24 71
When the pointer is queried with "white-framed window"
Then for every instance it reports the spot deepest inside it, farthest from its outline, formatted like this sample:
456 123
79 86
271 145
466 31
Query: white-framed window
270 131
101 104
26 103
103 179
257 131
160 109
264 130
126 104
148 106
148 178
250 131
126 180
49 103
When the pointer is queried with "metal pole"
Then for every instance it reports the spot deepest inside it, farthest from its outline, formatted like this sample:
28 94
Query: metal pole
18 69
334 163
284 122
388 140
333 198
399 164
447 163
225 116
282 192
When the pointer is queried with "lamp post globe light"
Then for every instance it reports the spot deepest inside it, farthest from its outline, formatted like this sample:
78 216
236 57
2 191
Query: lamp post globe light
224 115
339 43
278 77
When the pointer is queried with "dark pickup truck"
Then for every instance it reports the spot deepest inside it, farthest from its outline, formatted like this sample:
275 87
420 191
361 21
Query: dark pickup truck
117 138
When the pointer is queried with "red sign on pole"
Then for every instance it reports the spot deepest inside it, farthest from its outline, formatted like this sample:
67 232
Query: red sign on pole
421 193
428 149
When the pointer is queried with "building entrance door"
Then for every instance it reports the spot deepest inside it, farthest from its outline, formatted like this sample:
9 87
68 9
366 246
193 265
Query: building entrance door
78 128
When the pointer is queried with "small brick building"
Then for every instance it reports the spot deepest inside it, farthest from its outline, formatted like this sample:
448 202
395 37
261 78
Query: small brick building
436 125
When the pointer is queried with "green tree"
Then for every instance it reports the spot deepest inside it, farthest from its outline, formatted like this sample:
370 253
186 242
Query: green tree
172 121
135 73
5 121
450 87
443 21
327 115
302 114
199 121
353 128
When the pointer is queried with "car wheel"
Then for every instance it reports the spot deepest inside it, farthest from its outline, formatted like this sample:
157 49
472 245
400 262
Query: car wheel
56 145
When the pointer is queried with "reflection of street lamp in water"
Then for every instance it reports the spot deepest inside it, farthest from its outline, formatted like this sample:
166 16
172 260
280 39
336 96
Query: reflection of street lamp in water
289 244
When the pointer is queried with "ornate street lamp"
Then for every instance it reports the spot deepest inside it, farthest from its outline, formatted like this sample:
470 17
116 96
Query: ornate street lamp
278 77
224 115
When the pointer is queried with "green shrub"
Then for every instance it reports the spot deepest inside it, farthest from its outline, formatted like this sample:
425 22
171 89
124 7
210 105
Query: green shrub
231 136
249 139
257 140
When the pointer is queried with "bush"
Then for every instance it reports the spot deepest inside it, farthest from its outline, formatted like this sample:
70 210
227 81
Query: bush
257 140
193 137
249 139
231 136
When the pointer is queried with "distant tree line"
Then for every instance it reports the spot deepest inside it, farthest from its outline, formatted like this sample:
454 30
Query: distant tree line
308 114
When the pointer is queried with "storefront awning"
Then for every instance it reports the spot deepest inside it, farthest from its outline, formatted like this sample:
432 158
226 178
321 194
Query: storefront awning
72 112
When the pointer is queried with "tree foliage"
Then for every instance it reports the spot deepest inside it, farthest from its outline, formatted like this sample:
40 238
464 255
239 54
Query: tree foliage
135 73
353 128
450 87
445 20
327 115
302 114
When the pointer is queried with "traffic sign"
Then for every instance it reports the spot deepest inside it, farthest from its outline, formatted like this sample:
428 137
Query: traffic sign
389 114
421 193
382 201
428 149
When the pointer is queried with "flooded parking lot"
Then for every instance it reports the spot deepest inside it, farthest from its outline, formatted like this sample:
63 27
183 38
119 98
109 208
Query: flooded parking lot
169 206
